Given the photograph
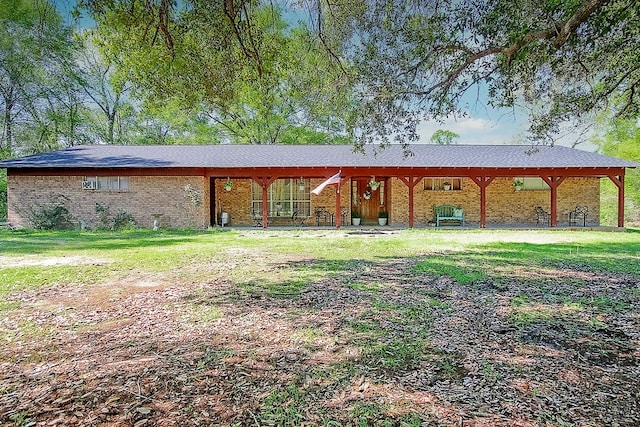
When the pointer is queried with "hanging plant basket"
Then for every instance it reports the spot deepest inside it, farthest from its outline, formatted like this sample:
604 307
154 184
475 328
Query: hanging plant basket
228 186
374 184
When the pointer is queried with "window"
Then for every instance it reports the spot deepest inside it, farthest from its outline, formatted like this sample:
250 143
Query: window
284 197
442 184
117 183
533 183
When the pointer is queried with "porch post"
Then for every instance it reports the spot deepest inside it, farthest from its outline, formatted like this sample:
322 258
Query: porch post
554 182
619 182
265 182
621 202
338 213
410 182
411 212
265 200
554 206
483 182
483 206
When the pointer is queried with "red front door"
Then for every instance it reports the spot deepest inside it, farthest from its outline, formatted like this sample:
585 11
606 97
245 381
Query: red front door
368 199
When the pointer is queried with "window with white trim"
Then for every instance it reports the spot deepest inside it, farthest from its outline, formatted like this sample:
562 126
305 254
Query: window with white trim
113 183
284 196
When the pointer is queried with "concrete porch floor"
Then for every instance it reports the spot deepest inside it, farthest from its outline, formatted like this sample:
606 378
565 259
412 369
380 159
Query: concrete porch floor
391 228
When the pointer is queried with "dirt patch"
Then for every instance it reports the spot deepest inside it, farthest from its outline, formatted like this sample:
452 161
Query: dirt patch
39 261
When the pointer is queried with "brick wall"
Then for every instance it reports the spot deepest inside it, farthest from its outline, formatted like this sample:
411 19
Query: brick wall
424 200
146 196
166 195
504 204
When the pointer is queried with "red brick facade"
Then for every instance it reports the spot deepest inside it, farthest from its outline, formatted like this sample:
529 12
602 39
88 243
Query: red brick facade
145 196
505 205
173 198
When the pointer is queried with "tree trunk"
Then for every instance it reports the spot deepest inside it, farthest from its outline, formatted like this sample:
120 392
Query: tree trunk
7 132
111 118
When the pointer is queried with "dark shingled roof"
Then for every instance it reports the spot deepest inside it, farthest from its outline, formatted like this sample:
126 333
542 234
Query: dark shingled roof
241 156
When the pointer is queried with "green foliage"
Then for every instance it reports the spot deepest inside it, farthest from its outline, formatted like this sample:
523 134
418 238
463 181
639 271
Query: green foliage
425 61
620 138
266 81
192 195
52 216
121 220
262 72
38 98
443 137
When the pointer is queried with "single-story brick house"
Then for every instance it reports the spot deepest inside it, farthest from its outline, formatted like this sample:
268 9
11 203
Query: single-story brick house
192 186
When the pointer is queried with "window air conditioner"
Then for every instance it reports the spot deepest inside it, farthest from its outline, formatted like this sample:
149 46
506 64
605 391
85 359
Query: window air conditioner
89 185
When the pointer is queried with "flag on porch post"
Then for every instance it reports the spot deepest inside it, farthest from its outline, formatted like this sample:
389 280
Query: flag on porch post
335 179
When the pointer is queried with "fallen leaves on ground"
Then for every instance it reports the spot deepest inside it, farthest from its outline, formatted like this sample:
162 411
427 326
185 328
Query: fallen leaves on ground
373 344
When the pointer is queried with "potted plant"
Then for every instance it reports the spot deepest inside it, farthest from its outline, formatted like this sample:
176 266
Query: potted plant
383 217
228 185
374 184
355 217
446 185
518 184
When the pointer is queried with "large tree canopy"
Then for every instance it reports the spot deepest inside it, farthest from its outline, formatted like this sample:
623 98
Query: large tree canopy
562 60
258 78
37 101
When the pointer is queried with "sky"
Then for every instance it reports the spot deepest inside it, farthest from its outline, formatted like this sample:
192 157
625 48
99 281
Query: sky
497 126
494 127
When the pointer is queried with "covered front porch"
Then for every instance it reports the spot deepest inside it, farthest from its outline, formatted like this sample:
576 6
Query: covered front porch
406 198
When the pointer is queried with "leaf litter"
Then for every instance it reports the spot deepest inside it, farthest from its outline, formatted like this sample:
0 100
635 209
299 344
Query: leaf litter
375 343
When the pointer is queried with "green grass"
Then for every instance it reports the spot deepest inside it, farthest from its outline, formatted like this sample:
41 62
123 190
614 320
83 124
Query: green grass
468 257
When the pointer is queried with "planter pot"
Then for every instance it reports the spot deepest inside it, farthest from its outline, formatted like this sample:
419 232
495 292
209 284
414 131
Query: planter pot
355 221
446 187
518 187
382 221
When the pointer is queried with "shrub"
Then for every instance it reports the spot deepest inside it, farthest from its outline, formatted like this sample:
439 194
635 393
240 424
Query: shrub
52 217
122 219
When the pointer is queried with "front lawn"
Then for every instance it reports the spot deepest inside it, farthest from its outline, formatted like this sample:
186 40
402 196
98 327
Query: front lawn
314 327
